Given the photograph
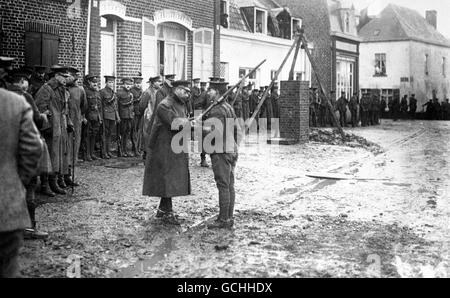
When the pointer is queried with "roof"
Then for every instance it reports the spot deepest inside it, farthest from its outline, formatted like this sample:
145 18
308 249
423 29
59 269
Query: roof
397 23
236 19
337 11
268 4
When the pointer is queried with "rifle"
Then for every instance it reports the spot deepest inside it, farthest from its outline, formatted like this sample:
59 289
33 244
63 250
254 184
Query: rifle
225 95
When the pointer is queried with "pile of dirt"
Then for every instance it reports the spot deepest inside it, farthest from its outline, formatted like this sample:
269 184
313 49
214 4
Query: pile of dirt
333 137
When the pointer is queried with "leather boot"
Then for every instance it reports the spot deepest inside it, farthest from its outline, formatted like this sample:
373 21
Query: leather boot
34 234
54 185
92 148
68 181
203 163
61 182
45 188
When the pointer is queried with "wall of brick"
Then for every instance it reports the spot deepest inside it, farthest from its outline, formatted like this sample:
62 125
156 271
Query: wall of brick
294 111
94 42
129 34
314 14
70 18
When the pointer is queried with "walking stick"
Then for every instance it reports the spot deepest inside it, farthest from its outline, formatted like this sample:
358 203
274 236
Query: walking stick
224 96
73 162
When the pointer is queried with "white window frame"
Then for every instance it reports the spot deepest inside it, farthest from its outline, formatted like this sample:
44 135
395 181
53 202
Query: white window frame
155 58
265 19
114 34
292 25
176 44
203 45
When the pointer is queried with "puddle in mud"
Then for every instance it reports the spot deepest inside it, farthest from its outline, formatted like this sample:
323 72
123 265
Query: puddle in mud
324 184
397 184
141 267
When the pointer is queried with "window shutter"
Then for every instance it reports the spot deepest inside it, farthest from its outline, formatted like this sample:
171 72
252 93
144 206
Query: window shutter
50 45
149 49
33 50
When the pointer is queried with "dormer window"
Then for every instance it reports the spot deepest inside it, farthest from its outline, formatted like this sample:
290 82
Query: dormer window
224 13
260 21
347 22
296 25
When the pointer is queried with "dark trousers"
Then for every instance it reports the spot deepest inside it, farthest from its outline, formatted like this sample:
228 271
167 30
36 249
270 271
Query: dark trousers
10 243
354 118
110 128
223 165
126 128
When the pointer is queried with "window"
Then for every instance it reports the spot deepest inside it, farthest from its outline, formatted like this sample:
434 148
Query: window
380 64
172 45
426 64
444 67
224 70
41 44
260 21
203 54
296 25
347 22
149 50
108 48
224 13
387 95
345 76
253 79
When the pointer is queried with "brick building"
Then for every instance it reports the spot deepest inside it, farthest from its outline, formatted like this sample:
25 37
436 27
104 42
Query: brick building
332 27
44 32
124 38
153 37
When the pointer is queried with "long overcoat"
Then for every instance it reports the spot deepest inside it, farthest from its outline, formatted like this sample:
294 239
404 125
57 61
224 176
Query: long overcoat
166 172
51 98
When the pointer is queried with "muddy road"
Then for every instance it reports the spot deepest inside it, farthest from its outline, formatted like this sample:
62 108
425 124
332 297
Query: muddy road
378 213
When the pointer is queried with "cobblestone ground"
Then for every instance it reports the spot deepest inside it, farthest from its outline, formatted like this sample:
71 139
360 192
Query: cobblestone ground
389 220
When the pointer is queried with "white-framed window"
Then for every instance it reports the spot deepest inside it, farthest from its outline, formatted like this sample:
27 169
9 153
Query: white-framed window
380 64
260 21
203 53
225 70
295 23
252 79
172 49
149 66
347 22
224 13
108 38
345 74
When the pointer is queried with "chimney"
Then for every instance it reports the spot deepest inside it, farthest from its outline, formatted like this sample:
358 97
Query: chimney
431 16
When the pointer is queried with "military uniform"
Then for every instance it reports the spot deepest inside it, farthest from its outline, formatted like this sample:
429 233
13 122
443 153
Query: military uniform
364 108
110 116
353 106
342 108
404 106
446 110
137 96
95 119
126 114
412 106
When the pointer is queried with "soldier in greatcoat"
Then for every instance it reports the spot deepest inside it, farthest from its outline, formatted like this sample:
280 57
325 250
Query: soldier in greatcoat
52 99
166 170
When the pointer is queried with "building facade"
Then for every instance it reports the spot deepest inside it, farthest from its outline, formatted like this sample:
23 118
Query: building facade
402 53
331 25
42 32
254 30
121 38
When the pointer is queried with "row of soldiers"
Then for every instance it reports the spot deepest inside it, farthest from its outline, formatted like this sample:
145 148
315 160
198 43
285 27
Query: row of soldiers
366 110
